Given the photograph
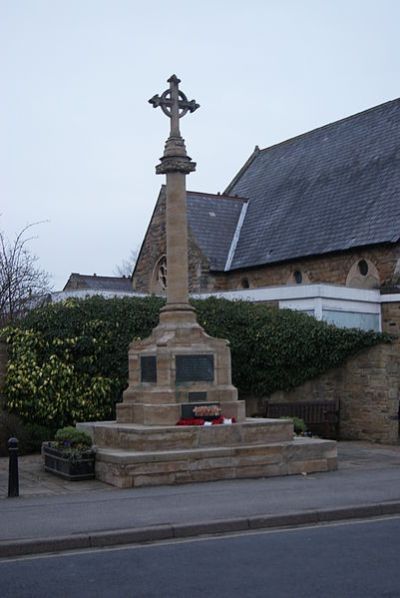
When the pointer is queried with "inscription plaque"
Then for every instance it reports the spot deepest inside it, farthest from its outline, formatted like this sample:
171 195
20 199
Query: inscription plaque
148 368
197 396
194 368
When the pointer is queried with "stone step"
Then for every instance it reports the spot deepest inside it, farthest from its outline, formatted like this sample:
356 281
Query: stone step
130 468
167 414
161 438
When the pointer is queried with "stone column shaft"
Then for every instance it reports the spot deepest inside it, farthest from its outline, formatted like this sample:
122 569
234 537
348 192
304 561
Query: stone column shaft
177 240
176 164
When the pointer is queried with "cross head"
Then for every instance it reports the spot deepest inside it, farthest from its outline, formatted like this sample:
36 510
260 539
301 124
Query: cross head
174 104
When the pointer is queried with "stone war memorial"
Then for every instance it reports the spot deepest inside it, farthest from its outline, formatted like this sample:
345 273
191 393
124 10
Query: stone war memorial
181 374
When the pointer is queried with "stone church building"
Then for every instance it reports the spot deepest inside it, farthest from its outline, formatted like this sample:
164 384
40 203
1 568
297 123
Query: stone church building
316 217
323 207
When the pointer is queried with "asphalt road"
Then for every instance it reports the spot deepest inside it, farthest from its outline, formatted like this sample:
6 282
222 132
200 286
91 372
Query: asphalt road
344 560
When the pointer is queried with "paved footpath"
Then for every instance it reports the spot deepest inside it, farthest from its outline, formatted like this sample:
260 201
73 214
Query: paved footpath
52 514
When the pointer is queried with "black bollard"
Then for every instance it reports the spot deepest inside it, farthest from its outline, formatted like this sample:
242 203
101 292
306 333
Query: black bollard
13 481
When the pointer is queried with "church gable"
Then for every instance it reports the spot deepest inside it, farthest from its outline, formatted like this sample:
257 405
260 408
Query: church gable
332 189
147 275
212 222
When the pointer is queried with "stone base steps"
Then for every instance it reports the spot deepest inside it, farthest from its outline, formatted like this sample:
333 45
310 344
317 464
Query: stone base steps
130 468
140 437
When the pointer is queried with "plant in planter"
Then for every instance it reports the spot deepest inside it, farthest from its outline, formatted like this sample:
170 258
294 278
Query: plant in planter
70 455
299 426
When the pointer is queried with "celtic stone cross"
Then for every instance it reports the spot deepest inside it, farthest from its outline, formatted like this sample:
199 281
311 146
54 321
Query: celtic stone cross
174 104
176 164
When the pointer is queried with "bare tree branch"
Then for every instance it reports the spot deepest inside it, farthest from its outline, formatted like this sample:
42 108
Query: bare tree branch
127 266
22 283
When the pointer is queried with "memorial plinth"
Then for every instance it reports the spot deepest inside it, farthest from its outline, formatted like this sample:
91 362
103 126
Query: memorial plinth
179 367
176 366
179 363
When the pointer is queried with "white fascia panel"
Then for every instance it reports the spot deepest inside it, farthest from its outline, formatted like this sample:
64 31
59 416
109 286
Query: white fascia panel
391 298
295 292
236 236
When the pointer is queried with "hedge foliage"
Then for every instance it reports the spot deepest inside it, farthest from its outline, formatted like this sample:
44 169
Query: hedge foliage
68 361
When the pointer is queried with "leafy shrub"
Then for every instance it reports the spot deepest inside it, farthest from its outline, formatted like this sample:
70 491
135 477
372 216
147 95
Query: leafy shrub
299 425
279 349
73 438
73 443
69 361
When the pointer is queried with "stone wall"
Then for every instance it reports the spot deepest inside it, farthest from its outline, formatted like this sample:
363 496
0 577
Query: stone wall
391 319
329 269
367 386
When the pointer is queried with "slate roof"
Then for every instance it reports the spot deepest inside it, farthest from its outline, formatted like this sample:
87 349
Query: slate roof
98 283
213 220
332 189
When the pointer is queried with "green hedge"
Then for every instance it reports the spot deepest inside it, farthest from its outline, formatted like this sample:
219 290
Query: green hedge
68 361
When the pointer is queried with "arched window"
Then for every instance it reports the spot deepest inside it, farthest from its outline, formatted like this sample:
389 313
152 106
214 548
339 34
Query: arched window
362 267
298 277
159 277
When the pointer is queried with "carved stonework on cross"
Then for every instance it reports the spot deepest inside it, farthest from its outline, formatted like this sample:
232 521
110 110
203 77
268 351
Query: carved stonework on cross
176 164
175 105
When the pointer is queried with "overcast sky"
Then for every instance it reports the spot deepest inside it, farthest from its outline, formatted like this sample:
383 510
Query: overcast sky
79 141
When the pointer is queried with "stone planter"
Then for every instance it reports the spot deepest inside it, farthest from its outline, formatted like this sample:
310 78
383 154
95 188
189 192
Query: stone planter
59 463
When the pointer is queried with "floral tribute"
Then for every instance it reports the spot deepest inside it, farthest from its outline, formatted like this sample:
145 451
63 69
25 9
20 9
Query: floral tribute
207 411
206 415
